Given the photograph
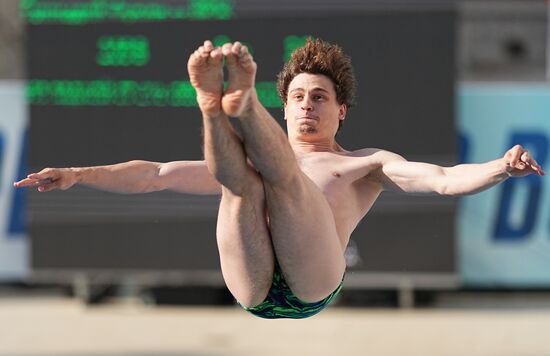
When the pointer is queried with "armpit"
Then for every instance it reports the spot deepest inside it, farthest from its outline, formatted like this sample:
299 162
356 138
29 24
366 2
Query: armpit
375 177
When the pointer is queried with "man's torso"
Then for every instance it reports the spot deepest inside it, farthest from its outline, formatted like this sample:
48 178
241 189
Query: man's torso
345 181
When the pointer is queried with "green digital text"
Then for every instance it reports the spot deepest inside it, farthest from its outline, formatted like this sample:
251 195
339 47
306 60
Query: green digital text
80 12
127 93
122 51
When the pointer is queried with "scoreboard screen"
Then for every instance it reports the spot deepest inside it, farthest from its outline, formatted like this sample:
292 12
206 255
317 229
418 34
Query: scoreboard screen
107 82
112 90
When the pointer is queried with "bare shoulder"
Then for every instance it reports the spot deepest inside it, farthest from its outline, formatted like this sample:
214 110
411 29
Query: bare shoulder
374 161
376 155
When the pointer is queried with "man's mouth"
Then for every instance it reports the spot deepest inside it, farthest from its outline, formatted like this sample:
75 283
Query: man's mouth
308 118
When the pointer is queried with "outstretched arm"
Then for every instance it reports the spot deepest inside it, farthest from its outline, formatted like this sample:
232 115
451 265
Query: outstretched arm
190 177
395 173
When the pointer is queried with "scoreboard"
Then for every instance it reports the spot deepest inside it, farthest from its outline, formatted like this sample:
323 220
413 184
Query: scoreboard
107 82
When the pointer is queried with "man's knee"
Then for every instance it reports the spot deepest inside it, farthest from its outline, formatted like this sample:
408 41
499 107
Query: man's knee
316 293
248 186
251 298
249 292
314 285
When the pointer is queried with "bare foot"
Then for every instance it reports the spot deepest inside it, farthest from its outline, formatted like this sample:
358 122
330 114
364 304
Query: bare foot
205 67
241 70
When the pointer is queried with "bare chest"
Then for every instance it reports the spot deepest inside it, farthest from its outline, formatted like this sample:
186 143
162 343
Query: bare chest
343 182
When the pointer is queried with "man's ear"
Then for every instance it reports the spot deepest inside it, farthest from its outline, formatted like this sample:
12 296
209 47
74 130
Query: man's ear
342 112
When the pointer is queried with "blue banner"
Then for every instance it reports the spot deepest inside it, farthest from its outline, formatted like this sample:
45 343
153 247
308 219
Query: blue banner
14 246
504 233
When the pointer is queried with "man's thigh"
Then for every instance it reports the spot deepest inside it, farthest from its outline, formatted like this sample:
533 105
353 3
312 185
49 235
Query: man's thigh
246 253
305 240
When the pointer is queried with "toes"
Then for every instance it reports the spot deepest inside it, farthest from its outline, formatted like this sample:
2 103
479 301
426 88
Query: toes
204 52
236 48
208 45
245 58
194 59
216 55
197 57
217 52
226 49
232 52
236 52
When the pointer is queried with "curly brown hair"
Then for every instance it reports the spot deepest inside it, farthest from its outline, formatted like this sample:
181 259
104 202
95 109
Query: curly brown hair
320 57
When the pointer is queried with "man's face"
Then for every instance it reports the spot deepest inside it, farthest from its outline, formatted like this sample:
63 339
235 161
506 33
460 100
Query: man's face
311 109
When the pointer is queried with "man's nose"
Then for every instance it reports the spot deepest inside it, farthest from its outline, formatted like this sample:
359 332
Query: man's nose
307 105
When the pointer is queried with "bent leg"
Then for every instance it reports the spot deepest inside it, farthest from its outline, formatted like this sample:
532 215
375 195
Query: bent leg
304 238
301 222
246 253
244 244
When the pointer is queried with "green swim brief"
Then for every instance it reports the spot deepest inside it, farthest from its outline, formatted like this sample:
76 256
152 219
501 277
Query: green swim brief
282 303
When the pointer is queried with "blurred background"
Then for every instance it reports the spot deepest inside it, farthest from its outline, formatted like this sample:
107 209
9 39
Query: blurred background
95 82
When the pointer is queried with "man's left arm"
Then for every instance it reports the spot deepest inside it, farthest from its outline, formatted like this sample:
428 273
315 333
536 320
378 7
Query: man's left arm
397 174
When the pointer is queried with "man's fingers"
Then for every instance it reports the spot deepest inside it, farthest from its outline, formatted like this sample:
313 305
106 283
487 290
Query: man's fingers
537 168
515 155
47 187
526 160
520 159
46 173
536 164
24 183
526 157
30 182
45 180
40 175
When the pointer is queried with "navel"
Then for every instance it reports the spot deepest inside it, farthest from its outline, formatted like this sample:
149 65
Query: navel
336 174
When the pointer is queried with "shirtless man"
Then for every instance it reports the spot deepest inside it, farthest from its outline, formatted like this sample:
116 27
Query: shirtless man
288 203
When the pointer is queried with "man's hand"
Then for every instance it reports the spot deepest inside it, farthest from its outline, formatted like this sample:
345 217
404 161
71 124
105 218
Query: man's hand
519 163
49 179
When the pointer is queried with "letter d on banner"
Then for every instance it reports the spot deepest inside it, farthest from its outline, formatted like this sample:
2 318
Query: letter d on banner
505 228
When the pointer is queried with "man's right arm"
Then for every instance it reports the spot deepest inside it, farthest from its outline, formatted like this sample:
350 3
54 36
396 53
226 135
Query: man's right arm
130 177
